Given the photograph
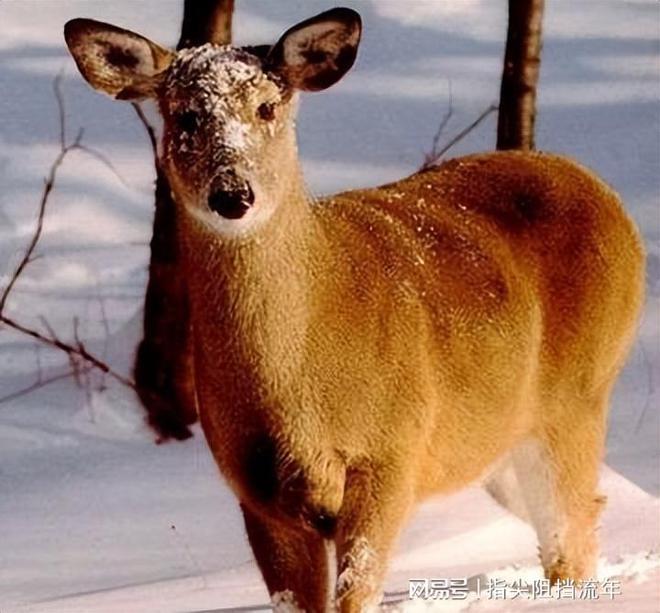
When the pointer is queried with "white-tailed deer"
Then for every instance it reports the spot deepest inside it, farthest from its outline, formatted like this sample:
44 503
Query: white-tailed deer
356 354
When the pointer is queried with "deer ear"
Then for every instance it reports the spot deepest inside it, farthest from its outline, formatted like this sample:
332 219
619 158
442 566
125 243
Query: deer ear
118 62
317 52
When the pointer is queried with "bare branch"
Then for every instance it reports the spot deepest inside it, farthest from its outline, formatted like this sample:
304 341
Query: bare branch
78 351
459 137
48 186
76 328
105 323
45 324
41 382
80 359
432 156
57 89
74 359
97 155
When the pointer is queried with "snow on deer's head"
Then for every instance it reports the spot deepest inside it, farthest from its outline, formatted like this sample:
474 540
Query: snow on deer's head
228 145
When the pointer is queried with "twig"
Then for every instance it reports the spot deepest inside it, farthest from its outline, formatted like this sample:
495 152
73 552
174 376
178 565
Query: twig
459 137
76 352
432 156
97 155
79 351
74 359
57 88
150 131
465 131
48 187
45 324
35 386
104 322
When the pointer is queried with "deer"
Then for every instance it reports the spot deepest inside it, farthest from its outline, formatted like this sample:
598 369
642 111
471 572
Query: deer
357 354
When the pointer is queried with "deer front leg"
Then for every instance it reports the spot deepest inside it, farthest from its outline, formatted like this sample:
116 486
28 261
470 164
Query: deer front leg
376 503
293 562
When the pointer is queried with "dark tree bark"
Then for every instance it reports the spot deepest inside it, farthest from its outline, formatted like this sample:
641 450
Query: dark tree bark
164 366
515 128
206 21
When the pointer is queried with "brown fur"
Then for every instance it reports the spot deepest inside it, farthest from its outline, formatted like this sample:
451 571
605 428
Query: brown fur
411 335
355 355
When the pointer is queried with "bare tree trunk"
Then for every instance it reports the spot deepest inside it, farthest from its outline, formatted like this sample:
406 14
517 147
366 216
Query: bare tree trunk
206 21
522 60
164 367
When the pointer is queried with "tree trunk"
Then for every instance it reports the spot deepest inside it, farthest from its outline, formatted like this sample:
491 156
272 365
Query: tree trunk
522 60
206 21
164 367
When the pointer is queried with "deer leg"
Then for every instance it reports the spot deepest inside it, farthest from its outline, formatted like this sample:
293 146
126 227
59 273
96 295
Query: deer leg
575 453
293 563
558 479
374 509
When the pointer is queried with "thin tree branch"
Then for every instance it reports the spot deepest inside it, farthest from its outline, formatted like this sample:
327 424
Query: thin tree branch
105 323
35 386
97 155
76 352
432 156
50 181
45 324
432 161
48 187
71 350
57 89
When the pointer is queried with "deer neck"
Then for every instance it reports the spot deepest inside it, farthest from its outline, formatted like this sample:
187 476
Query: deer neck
251 294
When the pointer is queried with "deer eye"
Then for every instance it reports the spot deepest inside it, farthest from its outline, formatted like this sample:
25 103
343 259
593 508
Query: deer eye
266 111
187 121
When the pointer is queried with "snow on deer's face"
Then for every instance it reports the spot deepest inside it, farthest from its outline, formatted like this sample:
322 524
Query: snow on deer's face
228 127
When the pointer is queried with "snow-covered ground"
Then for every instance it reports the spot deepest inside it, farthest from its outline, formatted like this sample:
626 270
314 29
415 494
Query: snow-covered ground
93 515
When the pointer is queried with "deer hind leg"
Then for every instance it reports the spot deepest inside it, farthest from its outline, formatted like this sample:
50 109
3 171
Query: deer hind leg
551 482
575 452
373 511
293 563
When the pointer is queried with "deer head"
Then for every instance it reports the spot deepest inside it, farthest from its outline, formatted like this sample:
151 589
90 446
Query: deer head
228 146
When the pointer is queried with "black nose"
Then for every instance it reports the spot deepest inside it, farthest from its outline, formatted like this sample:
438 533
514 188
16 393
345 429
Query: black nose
232 204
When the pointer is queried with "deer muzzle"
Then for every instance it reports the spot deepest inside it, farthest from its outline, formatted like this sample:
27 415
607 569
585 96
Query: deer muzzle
231 197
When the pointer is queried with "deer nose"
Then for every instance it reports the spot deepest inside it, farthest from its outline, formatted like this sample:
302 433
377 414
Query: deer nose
232 203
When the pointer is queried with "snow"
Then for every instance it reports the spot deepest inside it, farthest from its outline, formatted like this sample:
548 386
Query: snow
93 515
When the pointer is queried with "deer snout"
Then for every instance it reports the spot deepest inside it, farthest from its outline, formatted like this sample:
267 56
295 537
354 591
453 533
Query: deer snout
231 201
